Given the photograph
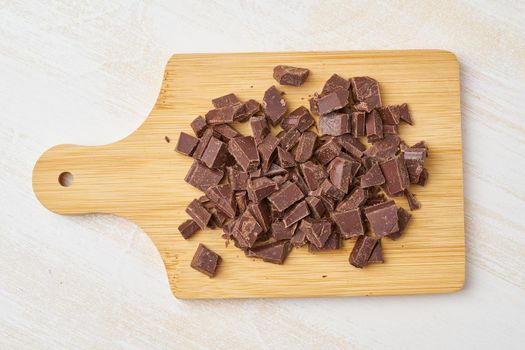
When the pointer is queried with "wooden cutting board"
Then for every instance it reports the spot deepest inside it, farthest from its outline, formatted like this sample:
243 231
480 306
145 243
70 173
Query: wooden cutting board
142 178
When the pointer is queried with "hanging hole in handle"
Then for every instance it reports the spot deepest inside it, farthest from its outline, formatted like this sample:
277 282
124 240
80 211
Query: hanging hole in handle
65 179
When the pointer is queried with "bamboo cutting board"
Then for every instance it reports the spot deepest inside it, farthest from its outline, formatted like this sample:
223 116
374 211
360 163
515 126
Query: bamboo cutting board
142 178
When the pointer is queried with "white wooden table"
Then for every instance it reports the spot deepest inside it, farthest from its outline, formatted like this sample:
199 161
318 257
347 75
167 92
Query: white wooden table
89 72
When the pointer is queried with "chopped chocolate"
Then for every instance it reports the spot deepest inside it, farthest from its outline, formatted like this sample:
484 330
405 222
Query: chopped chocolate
335 82
225 100
340 173
305 147
186 144
403 220
328 151
366 90
289 139
376 257
240 199
313 174
296 213
205 261
373 177
390 129
188 228
414 161
198 213
392 114
203 143
287 195
274 105
226 132
385 148
299 237
423 177
330 191
413 203
260 188
374 126
218 218
275 170
215 154
354 200
396 176
382 218
222 196
246 230
202 177
251 107
349 223
275 252
333 242
260 129
199 126
314 107
226 114
358 122
334 124
237 178
288 75
280 179
332 101
267 151
351 145
284 158
362 250
318 232
280 231
245 152
299 119
317 208
261 212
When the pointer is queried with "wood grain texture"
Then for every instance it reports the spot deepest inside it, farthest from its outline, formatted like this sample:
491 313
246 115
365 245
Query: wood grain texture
141 178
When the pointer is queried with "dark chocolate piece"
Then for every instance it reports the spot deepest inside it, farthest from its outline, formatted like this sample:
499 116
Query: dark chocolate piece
396 176
413 203
240 199
188 228
225 114
423 177
260 129
299 237
226 132
314 107
274 105
390 129
374 126
317 208
354 200
261 212
296 213
334 242
366 90
382 218
403 220
313 174
215 154
205 261
198 213
246 230
288 75
340 173
404 114
329 190
373 177
414 161
222 196
237 178
245 152
275 170
384 149
250 108
305 147
280 231
287 195
318 232
289 139
392 114
362 250
218 218
284 158
225 100
334 124
327 152
299 119
260 188
332 101
358 122
349 223
351 145
335 82
376 257
202 177
275 252
203 143
267 151
186 144
199 126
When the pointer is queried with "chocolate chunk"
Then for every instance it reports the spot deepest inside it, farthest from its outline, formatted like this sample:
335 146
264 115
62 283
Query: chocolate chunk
327 152
358 122
280 179
392 114
288 75
226 132
374 199
205 261
362 250
332 101
280 231
275 170
225 114
299 119
296 213
261 212
340 173
351 145
245 152
202 177
413 203
287 195
403 220
215 154
318 232
225 100
333 242
349 223
186 144
373 177
376 257
330 191
260 188
274 253
203 143
414 161
246 230
222 196
317 208
335 82
313 174
240 200
423 177
374 126
188 228
355 199
382 218
284 158
199 126
390 129
267 151
305 147
289 139
237 178
260 128
274 105
218 218
366 90
299 237
396 176
334 124
385 148
314 107
198 213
